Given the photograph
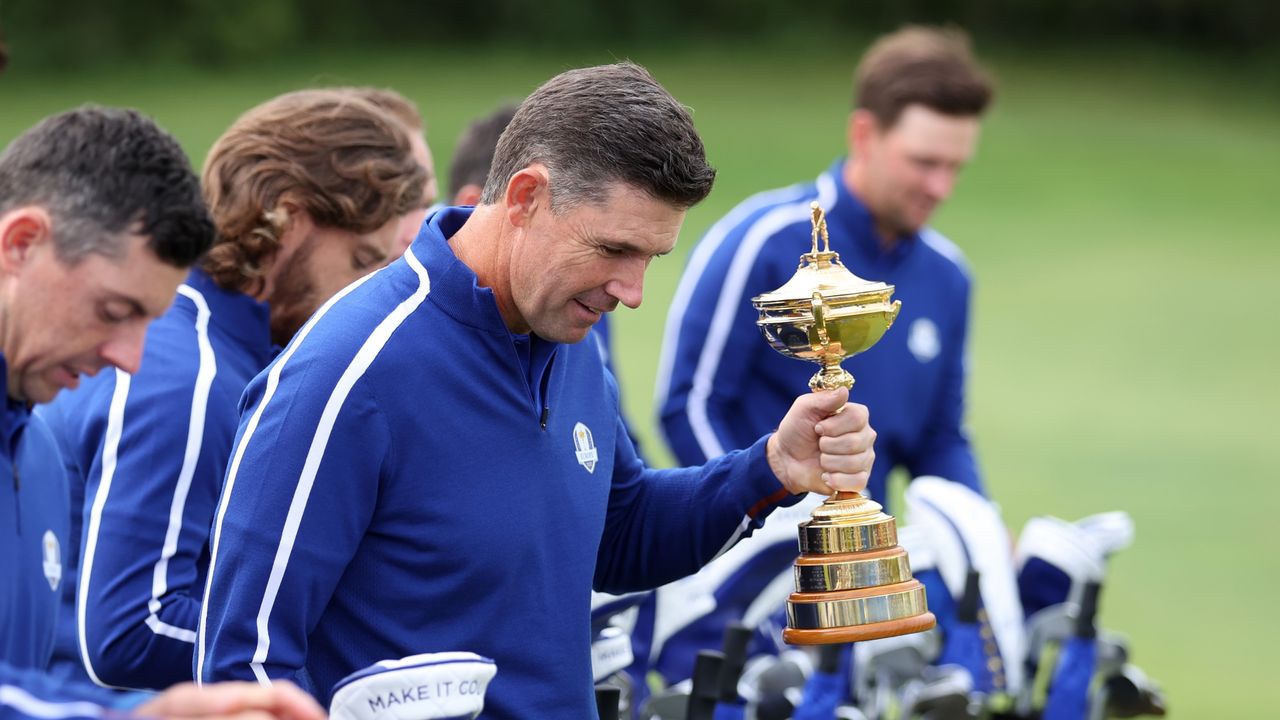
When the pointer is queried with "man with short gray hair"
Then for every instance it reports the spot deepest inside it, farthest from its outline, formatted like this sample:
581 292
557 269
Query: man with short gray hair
436 463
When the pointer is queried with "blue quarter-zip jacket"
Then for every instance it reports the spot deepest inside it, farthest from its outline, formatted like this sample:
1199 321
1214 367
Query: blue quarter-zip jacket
34 528
720 385
146 454
410 477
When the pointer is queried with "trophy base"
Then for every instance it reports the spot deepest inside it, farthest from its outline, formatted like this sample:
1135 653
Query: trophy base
858 633
863 614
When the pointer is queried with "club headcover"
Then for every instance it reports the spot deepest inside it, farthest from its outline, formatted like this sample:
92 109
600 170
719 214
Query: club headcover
968 536
431 686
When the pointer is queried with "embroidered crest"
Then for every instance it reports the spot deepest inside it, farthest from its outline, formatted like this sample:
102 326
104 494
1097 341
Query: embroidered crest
923 340
52 560
584 445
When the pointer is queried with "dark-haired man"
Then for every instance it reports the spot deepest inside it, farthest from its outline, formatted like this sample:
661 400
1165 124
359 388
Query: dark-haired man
436 462
100 215
919 99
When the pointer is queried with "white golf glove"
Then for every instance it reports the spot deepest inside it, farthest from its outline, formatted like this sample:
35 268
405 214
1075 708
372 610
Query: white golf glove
433 686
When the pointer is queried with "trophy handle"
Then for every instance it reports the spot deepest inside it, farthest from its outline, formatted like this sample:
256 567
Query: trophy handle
820 320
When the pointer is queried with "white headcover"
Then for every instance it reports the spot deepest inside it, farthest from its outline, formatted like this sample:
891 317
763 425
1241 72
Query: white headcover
1080 549
432 686
959 522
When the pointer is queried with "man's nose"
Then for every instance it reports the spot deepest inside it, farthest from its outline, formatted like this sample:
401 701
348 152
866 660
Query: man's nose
628 285
940 183
124 348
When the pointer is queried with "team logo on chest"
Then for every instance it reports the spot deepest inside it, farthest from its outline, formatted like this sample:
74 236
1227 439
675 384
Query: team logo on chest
52 560
923 340
584 445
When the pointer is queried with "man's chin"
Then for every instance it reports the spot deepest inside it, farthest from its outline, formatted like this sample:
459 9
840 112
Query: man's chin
36 393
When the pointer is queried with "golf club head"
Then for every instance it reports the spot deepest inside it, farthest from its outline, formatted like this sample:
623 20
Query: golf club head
1113 652
1130 693
942 692
789 670
772 707
893 660
670 704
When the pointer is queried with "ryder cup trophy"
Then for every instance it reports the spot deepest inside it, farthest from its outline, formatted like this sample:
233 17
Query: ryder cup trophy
853 581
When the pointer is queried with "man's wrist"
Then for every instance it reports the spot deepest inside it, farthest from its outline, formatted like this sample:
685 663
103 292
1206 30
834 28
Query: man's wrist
773 453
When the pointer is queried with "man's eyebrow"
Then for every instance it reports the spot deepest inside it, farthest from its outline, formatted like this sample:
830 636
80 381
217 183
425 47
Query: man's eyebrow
629 247
135 307
374 252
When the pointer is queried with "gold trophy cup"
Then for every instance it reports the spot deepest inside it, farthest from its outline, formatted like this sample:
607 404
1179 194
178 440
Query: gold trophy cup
853 582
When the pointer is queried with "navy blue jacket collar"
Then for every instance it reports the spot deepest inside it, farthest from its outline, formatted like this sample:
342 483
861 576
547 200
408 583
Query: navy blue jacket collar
16 412
454 286
237 314
857 229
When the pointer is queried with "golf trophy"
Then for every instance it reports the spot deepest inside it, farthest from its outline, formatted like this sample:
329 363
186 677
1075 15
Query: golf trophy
853 581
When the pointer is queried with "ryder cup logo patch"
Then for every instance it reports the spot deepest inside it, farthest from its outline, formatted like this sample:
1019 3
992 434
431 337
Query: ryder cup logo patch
923 340
585 447
52 560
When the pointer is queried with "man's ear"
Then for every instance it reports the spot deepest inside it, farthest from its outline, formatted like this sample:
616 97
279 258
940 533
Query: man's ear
528 191
21 231
863 127
292 222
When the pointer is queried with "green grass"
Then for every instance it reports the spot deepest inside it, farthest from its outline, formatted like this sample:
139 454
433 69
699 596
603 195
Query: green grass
1121 222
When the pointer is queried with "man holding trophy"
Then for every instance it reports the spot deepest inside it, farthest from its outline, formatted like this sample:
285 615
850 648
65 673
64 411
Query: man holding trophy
436 463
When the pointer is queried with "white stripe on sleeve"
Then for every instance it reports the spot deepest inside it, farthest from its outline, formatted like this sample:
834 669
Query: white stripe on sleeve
273 381
195 437
110 450
32 706
320 442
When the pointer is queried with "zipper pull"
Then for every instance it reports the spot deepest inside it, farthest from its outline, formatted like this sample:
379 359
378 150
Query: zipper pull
546 413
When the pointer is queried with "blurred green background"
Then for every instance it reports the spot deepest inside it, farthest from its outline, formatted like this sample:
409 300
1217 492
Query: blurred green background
1121 219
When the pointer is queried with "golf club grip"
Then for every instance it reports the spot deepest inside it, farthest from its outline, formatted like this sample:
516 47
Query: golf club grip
608 699
736 639
706 678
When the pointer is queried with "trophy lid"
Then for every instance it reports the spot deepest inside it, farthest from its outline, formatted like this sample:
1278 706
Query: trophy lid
822 272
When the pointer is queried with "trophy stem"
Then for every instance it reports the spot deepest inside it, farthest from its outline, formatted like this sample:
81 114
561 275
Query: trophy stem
831 377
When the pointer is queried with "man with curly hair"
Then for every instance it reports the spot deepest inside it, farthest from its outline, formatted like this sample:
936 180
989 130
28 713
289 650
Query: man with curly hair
307 192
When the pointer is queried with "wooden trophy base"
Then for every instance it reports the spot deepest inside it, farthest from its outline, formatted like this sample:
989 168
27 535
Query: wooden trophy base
858 633
819 618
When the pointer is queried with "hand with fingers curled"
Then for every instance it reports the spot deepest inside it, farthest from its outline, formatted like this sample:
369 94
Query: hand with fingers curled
823 445
232 701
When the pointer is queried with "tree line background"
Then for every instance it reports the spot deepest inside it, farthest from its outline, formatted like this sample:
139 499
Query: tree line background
73 34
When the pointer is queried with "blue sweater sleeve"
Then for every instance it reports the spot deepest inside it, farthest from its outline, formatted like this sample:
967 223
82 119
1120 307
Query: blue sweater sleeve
711 344
31 695
662 525
299 494
944 449
150 490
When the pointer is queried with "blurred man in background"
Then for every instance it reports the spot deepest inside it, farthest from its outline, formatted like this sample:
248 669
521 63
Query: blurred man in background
100 214
308 192
919 97
473 155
